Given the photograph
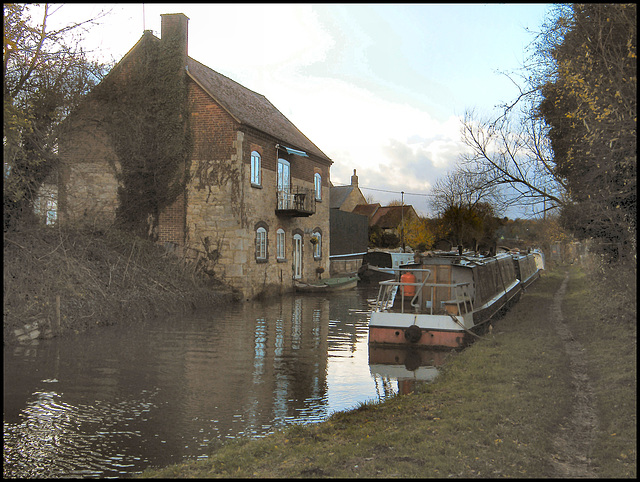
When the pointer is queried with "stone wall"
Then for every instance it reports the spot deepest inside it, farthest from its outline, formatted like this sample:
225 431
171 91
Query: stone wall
222 220
87 186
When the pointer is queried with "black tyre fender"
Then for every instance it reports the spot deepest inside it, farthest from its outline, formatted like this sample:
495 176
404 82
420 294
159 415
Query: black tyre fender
413 333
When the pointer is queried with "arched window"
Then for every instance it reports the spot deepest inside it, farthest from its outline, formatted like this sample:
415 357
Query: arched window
261 244
280 246
255 168
316 241
317 182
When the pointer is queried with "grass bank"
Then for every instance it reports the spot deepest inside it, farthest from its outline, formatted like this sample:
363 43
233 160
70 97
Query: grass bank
493 412
99 278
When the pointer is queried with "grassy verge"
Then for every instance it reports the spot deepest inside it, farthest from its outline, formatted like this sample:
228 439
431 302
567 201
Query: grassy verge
493 412
603 319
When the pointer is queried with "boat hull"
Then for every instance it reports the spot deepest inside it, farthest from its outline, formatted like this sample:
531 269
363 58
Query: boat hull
328 285
430 338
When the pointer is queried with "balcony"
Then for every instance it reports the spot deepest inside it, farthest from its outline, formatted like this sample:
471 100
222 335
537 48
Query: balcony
296 202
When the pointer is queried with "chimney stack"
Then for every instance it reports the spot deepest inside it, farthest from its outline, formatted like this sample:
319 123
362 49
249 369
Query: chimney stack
176 24
354 179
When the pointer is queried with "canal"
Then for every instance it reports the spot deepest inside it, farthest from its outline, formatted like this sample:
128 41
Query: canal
115 400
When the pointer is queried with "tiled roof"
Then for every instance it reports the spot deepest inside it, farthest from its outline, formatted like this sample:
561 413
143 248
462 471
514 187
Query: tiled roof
367 209
390 217
250 108
339 195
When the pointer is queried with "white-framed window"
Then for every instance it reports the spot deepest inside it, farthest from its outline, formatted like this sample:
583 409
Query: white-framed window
255 168
297 256
280 246
284 184
317 182
317 245
261 244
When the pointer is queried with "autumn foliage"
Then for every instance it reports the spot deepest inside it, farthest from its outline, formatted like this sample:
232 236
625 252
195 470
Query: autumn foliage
589 103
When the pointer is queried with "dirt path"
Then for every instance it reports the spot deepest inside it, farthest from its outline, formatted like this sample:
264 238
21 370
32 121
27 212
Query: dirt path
577 433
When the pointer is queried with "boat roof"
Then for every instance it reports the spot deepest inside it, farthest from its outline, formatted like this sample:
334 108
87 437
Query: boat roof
467 260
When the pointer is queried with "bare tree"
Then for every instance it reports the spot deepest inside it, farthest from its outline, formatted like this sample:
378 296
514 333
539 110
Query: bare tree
464 187
513 152
45 74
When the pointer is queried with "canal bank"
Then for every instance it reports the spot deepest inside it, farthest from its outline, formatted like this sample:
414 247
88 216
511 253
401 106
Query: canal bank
498 409
64 281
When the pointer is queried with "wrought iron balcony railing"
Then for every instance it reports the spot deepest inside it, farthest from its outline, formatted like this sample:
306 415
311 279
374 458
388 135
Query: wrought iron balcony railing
297 201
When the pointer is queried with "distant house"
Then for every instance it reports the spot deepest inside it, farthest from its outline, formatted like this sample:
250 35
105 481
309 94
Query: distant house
368 210
346 198
259 189
390 218
349 231
387 218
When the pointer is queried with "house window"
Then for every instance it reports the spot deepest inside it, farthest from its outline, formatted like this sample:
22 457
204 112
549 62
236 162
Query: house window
255 168
280 251
316 241
317 182
261 244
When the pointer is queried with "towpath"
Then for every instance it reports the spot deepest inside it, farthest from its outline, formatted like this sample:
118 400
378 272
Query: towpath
576 434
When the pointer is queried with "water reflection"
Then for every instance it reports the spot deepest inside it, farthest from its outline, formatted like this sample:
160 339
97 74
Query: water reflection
408 366
113 401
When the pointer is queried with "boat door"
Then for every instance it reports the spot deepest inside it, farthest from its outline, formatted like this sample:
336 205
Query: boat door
297 256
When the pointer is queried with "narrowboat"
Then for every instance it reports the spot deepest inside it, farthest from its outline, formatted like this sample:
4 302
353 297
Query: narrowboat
538 255
444 301
527 269
381 265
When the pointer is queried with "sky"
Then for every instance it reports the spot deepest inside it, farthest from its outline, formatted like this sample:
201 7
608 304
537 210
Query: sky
380 88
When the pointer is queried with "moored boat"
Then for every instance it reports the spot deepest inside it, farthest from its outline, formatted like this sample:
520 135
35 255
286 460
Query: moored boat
380 265
444 301
527 269
538 255
327 284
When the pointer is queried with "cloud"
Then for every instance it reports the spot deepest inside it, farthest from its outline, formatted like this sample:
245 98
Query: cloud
361 130
324 78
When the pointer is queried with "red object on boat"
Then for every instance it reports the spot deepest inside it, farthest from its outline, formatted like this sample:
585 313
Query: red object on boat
408 290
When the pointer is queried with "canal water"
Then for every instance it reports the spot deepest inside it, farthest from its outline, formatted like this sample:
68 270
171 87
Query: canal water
115 400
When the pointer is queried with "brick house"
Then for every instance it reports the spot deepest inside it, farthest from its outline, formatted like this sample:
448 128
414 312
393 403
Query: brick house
258 190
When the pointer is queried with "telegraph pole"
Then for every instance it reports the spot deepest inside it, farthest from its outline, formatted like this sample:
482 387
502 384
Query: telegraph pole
402 226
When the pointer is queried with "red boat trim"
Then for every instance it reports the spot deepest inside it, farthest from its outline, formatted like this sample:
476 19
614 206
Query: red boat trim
428 338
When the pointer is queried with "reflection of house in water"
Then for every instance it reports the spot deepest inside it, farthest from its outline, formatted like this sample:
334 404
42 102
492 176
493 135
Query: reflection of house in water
277 366
344 332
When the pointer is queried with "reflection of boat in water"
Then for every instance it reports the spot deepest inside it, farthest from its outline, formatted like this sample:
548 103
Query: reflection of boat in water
446 299
380 265
327 284
406 365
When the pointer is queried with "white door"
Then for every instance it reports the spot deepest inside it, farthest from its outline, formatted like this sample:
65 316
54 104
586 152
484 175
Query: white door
297 256
284 184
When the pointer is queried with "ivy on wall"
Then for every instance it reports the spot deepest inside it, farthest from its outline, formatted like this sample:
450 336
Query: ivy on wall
220 176
146 116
